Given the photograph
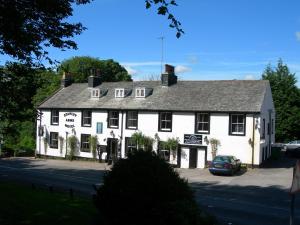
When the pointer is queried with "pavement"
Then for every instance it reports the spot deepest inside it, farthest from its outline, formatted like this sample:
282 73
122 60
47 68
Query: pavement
258 196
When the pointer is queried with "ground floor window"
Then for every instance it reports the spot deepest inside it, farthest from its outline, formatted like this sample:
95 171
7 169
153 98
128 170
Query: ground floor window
163 152
53 139
85 143
130 145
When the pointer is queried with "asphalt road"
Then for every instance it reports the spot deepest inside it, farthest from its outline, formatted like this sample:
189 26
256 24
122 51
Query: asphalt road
256 197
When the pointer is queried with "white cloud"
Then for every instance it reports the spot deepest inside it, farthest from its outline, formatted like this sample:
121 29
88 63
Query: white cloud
130 70
182 69
298 35
249 77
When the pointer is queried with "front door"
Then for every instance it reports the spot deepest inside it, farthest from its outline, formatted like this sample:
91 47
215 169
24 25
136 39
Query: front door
112 145
193 158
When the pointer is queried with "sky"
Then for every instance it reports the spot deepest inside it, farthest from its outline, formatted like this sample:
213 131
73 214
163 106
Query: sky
224 39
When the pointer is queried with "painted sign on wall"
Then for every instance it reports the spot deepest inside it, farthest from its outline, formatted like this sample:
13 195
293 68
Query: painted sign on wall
195 139
70 123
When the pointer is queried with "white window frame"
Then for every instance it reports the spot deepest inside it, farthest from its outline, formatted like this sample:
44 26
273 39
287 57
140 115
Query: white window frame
119 93
110 118
86 117
237 123
53 115
200 120
54 140
95 93
163 118
85 144
140 92
128 119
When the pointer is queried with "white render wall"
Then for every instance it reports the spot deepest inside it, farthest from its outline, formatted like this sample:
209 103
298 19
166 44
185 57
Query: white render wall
183 123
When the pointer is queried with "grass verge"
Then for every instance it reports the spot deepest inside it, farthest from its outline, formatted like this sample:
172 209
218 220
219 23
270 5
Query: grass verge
23 205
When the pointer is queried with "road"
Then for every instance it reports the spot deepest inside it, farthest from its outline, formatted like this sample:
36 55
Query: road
258 196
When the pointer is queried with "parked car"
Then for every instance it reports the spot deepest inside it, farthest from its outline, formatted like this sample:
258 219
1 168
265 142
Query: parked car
225 164
291 145
293 152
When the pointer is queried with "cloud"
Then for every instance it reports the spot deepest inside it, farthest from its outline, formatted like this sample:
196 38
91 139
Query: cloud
182 69
298 35
249 77
192 59
130 70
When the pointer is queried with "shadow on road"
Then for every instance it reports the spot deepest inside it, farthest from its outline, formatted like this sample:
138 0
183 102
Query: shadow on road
39 174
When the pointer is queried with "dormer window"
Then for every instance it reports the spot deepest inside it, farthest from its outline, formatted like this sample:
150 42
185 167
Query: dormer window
95 93
140 93
119 93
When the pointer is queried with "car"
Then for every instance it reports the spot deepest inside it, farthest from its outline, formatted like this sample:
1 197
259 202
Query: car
224 164
293 152
291 145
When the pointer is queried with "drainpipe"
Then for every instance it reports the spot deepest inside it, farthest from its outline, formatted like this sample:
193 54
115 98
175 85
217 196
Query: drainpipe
121 138
253 138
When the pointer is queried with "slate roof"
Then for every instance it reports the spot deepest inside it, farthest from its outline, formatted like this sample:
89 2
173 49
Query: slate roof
213 96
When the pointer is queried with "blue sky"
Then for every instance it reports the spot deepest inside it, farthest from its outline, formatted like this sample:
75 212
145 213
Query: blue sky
232 39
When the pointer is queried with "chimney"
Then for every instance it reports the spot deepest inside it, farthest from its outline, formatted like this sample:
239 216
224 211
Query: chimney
66 79
168 78
94 79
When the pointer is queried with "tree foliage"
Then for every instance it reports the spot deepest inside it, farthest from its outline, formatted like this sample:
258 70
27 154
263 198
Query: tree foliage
163 9
28 28
143 189
286 97
80 67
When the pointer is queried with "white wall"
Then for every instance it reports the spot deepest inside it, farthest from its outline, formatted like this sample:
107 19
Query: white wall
183 123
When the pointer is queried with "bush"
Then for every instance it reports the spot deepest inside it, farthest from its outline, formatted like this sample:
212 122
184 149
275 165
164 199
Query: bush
145 190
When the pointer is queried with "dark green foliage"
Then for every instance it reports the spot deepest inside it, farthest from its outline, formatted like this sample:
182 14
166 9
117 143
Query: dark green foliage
143 189
17 116
80 67
286 97
163 8
27 28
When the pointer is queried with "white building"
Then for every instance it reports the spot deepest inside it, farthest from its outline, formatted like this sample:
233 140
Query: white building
239 113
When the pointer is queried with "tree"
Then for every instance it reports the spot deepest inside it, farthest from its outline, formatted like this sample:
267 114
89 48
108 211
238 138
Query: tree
142 141
28 28
144 189
286 97
18 85
80 67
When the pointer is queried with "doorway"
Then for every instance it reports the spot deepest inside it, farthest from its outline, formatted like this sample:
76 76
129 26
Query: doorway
193 157
112 149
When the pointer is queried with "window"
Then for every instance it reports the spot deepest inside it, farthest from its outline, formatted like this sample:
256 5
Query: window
54 117
140 92
163 153
95 93
130 145
263 129
113 119
165 121
53 139
202 123
132 120
99 128
85 143
86 118
237 124
119 93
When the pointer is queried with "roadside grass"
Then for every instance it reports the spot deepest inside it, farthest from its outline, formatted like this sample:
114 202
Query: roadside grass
23 205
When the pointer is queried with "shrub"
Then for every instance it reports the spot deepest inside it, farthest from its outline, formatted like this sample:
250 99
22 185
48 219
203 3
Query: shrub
72 142
145 190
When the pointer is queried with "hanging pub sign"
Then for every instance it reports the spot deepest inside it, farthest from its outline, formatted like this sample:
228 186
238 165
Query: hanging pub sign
195 139
70 123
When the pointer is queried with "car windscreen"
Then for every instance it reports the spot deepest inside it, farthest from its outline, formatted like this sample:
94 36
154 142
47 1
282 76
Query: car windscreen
222 159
